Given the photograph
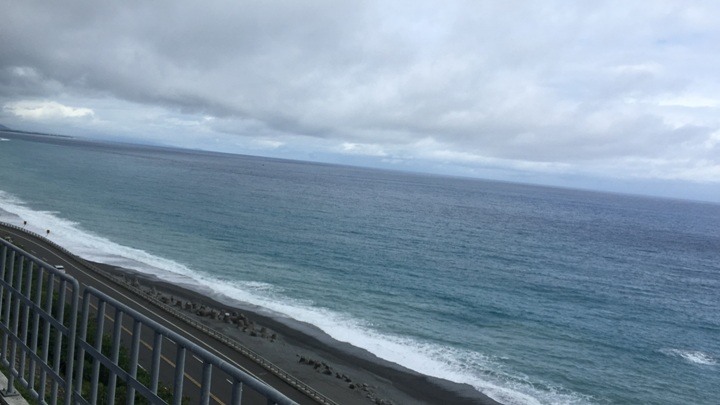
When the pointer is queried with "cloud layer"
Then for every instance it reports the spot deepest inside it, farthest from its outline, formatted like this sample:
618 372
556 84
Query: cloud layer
625 88
45 110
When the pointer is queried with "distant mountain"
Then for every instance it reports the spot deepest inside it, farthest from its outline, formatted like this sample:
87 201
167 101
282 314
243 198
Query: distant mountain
16 132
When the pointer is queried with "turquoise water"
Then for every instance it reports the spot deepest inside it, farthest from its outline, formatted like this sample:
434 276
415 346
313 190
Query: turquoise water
533 295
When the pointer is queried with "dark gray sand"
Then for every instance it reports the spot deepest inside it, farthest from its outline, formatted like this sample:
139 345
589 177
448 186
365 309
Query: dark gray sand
340 371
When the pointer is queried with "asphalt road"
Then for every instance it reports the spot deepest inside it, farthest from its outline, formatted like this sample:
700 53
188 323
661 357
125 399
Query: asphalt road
221 385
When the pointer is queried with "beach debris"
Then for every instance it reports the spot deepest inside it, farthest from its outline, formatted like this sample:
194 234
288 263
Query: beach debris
343 377
319 366
226 315
324 368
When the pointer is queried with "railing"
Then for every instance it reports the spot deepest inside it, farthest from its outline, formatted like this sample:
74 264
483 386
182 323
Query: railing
39 308
33 325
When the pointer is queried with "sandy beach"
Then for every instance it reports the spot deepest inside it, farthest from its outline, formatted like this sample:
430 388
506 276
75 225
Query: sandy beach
344 373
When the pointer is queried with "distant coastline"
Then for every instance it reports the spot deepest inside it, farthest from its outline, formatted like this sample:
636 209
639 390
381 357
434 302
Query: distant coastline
5 130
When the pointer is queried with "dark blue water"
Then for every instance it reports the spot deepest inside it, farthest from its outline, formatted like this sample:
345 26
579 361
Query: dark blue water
530 294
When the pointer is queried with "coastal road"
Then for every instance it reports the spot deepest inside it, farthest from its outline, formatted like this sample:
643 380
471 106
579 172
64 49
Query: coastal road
193 367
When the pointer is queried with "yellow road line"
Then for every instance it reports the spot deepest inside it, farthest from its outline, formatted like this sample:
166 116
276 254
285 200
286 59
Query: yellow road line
163 357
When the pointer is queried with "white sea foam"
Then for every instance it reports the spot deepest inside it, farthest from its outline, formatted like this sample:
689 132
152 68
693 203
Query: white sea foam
692 356
463 366
86 244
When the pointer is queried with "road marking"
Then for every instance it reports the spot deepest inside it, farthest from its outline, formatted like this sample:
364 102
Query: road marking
163 357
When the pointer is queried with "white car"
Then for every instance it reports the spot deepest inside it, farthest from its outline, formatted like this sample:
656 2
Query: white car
60 267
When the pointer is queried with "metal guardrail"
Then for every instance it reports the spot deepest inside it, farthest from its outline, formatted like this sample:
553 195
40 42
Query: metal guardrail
239 347
40 334
173 345
33 325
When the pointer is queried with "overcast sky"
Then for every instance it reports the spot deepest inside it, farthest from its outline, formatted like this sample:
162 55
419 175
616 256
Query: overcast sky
619 95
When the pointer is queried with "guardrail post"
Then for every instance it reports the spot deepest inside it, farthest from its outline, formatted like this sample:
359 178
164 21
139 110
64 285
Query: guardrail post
134 353
9 390
4 308
15 320
205 395
100 322
179 377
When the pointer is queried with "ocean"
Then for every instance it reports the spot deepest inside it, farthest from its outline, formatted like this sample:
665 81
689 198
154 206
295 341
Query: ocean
533 295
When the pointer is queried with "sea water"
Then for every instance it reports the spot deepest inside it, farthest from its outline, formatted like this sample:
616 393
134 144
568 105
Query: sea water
533 295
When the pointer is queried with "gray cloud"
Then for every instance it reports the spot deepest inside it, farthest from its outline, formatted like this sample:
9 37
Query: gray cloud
569 84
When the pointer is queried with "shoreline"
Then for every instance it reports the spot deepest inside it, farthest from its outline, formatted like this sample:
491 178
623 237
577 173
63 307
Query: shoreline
344 373
337 370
